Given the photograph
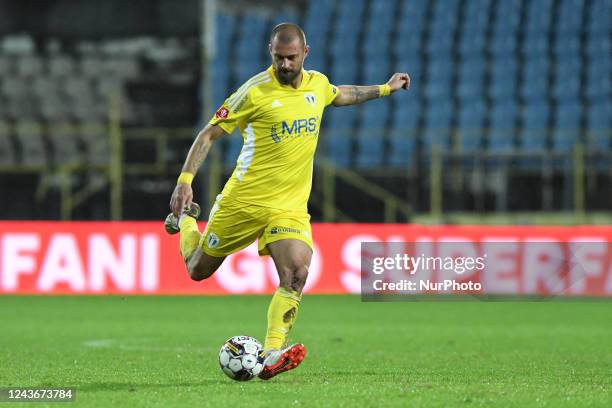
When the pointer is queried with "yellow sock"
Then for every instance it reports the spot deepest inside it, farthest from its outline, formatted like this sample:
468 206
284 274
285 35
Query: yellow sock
190 236
281 316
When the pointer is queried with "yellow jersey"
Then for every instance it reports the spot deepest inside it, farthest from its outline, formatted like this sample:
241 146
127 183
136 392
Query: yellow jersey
280 127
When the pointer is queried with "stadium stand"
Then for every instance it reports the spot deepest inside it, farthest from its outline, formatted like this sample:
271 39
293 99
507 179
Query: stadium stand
488 76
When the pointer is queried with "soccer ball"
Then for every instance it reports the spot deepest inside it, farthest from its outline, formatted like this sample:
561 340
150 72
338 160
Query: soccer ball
241 358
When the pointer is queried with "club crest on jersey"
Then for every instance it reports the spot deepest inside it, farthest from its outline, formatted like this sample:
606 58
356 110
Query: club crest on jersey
212 241
310 99
222 113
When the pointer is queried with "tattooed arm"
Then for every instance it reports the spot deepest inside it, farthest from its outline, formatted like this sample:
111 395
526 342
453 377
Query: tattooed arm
183 194
353 94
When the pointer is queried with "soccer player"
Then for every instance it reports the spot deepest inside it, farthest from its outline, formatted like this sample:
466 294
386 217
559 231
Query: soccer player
279 114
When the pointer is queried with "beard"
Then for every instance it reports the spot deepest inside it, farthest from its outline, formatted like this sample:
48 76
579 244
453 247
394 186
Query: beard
286 77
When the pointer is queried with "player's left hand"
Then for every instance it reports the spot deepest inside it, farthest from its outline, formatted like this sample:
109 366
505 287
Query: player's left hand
398 81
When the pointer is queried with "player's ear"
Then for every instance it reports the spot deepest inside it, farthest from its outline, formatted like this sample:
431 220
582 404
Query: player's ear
306 49
270 48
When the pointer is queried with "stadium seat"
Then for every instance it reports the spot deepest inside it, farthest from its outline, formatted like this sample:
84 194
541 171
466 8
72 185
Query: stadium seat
376 71
475 19
569 17
29 133
29 66
599 15
538 17
352 9
503 44
439 79
370 135
7 150
599 126
437 125
534 85
598 45
7 66
344 73
534 128
471 78
502 127
566 130
598 81
567 47
63 138
404 128
337 137
470 126
232 148
60 65
95 137
507 16
472 44
535 45
504 82
567 76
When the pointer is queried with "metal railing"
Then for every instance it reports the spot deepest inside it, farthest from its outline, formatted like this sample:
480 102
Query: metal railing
329 175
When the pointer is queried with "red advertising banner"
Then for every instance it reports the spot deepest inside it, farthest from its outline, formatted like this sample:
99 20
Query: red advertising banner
140 258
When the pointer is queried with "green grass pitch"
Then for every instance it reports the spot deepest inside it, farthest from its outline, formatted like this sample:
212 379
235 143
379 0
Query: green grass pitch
162 351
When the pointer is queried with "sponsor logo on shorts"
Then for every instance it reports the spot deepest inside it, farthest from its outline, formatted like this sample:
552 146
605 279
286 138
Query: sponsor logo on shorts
222 113
280 230
212 241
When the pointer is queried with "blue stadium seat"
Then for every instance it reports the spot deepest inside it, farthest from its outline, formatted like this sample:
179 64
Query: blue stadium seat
440 45
338 140
472 44
411 46
503 45
567 129
437 125
569 18
567 47
344 45
598 45
534 126
352 10
538 16
598 81
284 17
370 135
475 19
567 80
470 127
504 74
534 84
535 45
502 127
599 126
403 132
226 24
507 17
233 145
439 79
471 78
344 72
376 71
599 16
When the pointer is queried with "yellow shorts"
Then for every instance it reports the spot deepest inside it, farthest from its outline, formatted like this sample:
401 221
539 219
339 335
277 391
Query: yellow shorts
233 225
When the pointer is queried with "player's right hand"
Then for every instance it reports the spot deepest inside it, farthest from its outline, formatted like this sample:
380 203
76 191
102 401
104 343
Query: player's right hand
181 198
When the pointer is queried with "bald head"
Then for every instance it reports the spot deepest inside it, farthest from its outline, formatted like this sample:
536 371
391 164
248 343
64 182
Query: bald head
286 33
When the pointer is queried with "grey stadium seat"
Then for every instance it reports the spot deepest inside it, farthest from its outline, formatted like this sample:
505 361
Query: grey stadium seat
7 150
29 133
